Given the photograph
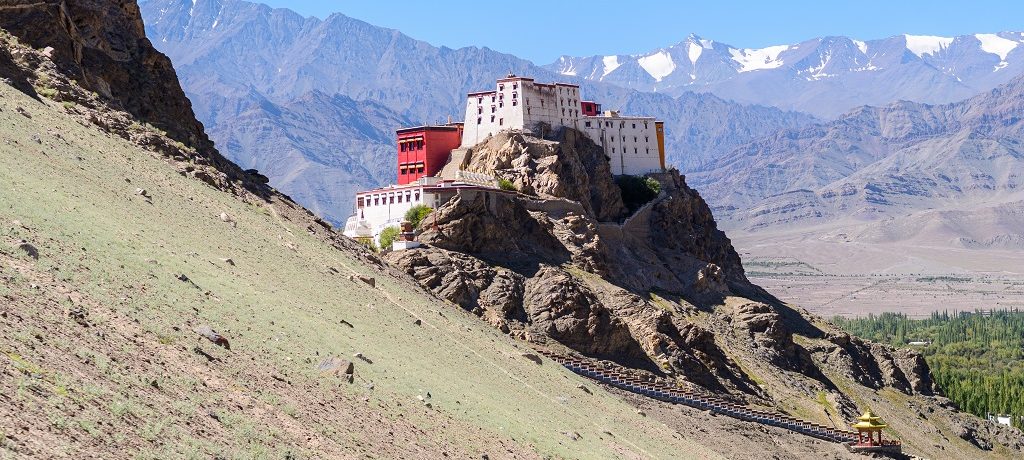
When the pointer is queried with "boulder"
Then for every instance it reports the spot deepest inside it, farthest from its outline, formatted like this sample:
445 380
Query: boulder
337 366
28 248
212 336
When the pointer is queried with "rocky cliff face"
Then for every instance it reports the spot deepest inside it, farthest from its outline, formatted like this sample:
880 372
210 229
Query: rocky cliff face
661 289
94 55
103 46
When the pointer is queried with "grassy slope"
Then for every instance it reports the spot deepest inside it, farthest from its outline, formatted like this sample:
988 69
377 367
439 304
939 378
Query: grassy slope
131 385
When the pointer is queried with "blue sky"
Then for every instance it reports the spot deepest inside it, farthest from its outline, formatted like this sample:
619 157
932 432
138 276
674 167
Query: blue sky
555 27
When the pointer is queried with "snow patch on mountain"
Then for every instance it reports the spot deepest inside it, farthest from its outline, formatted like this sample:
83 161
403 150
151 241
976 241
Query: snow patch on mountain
817 72
994 44
758 59
862 46
658 65
567 66
610 64
693 51
926 44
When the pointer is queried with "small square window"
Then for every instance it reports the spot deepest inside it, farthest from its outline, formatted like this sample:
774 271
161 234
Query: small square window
479 120
501 122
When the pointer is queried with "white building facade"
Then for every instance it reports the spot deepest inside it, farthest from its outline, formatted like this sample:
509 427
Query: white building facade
634 145
385 207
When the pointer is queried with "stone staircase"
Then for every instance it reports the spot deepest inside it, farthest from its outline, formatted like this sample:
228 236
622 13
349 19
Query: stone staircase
678 395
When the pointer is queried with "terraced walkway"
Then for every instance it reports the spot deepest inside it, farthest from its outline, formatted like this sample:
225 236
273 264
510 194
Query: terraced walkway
677 395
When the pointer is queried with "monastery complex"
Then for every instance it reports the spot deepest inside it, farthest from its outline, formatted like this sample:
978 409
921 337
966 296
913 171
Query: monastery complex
635 145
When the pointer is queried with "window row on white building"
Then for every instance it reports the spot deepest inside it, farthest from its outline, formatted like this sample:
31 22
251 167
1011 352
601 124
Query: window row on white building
519 103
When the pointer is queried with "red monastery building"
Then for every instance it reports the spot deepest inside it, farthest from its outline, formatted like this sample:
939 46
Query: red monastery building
424 150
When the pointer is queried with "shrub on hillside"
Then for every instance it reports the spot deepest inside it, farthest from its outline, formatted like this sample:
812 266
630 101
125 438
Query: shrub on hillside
417 213
637 191
387 237
506 184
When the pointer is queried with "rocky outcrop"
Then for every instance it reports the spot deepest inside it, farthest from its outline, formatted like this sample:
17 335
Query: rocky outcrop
875 365
95 58
560 260
572 168
565 309
103 46
672 244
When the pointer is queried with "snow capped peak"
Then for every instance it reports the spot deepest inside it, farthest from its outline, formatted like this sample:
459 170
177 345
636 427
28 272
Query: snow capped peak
994 44
694 39
658 65
610 63
758 59
926 44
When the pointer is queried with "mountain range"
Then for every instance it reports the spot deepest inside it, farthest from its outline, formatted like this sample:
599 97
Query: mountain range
777 139
949 174
824 76
324 68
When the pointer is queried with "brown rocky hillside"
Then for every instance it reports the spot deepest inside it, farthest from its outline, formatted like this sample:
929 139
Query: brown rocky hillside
158 302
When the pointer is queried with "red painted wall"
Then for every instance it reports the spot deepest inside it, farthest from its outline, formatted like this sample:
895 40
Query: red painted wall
430 146
590 108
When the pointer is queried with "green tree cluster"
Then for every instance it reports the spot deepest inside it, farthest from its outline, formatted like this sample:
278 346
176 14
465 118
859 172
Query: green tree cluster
387 237
975 357
417 213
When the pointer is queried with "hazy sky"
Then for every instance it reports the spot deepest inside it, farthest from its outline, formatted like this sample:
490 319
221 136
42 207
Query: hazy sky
543 30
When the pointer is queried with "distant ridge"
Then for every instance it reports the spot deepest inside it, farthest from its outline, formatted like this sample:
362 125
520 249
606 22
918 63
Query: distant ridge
824 76
950 175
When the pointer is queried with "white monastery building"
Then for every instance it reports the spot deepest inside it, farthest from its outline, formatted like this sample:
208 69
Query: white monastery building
635 145
427 176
